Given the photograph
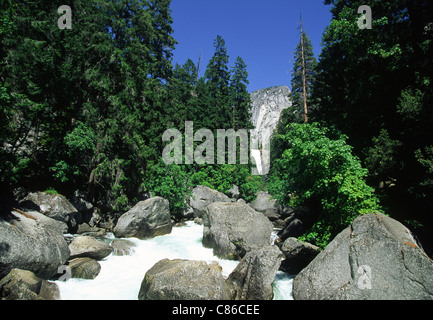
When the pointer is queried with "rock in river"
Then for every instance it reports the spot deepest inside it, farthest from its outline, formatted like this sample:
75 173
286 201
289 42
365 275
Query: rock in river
233 229
148 219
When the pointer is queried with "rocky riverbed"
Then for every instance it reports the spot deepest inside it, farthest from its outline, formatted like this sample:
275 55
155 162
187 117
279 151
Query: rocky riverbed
227 253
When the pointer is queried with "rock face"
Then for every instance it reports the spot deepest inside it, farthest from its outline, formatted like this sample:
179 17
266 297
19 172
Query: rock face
24 285
202 197
254 275
148 219
32 241
233 229
376 258
267 107
184 280
56 207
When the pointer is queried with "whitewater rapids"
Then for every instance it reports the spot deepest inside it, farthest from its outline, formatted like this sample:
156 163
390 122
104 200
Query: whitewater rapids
121 276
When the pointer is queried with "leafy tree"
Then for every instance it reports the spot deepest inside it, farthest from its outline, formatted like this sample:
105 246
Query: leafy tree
97 89
319 168
375 86
162 42
223 177
171 182
183 96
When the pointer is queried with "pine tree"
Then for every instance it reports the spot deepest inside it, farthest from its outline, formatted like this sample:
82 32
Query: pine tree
218 80
303 74
162 42
241 99
182 94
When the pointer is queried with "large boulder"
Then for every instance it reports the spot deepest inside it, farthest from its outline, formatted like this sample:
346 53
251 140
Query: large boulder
87 246
32 241
78 200
148 219
84 268
233 229
376 258
25 285
202 197
234 192
266 205
297 220
254 275
297 255
56 207
184 280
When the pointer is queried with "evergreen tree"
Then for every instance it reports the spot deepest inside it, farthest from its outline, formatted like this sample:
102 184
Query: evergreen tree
162 42
303 74
88 103
241 99
218 80
182 94
375 86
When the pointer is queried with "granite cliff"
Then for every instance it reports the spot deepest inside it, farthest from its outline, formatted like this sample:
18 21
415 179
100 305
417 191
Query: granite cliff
267 107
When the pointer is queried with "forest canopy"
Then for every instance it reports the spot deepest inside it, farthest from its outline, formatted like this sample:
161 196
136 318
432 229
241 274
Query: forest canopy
86 108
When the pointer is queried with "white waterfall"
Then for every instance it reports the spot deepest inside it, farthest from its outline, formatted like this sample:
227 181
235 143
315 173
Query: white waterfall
121 276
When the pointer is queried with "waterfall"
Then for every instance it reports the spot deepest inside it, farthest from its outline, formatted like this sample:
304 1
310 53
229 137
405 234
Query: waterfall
121 276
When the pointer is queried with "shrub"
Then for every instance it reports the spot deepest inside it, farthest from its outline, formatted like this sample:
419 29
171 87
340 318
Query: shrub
318 165
223 177
172 182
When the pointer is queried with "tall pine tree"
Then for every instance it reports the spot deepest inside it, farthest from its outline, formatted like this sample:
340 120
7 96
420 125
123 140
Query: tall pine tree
241 99
303 74
218 80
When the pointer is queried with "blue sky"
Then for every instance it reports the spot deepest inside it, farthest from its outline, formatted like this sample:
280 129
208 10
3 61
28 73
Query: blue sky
263 33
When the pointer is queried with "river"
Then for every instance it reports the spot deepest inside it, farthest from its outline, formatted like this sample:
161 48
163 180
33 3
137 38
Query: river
121 276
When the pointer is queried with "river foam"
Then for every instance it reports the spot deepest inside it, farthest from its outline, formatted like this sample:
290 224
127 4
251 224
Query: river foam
121 276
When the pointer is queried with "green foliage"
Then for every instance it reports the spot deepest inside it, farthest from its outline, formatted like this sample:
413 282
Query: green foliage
51 191
223 177
295 113
319 166
425 159
172 182
410 104
218 81
240 97
375 87
380 159
297 82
